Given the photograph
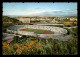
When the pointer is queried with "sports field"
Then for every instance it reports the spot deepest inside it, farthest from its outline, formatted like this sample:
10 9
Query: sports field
39 31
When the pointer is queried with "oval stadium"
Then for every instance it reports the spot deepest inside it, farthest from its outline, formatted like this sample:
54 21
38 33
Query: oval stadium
37 31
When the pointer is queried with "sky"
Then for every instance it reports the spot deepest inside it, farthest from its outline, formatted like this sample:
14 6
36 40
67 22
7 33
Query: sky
40 9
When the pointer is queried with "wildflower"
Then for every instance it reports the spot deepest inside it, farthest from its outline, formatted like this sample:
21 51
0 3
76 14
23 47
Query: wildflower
32 49
28 50
37 40
35 47
4 44
76 40
18 51
31 42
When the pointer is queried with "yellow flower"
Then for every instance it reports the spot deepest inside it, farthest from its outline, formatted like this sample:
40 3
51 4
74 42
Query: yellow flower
28 50
18 51
4 44
76 40
35 47
37 40
32 49
31 42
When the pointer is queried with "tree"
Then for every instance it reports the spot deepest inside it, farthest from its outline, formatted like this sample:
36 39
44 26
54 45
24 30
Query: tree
16 39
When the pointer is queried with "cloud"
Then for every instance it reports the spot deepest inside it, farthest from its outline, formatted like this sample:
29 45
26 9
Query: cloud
66 12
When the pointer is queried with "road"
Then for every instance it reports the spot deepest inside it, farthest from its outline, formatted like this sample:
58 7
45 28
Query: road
70 27
49 24
8 36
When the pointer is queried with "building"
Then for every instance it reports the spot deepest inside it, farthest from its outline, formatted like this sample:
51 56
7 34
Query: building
54 21
73 19
24 20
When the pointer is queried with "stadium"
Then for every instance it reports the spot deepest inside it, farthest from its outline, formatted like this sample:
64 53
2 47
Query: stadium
37 31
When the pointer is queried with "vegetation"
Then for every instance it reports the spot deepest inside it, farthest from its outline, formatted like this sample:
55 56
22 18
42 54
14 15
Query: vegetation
72 31
65 20
75 30
13 21
8 19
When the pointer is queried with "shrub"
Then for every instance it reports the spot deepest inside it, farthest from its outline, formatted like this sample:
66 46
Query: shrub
34 46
